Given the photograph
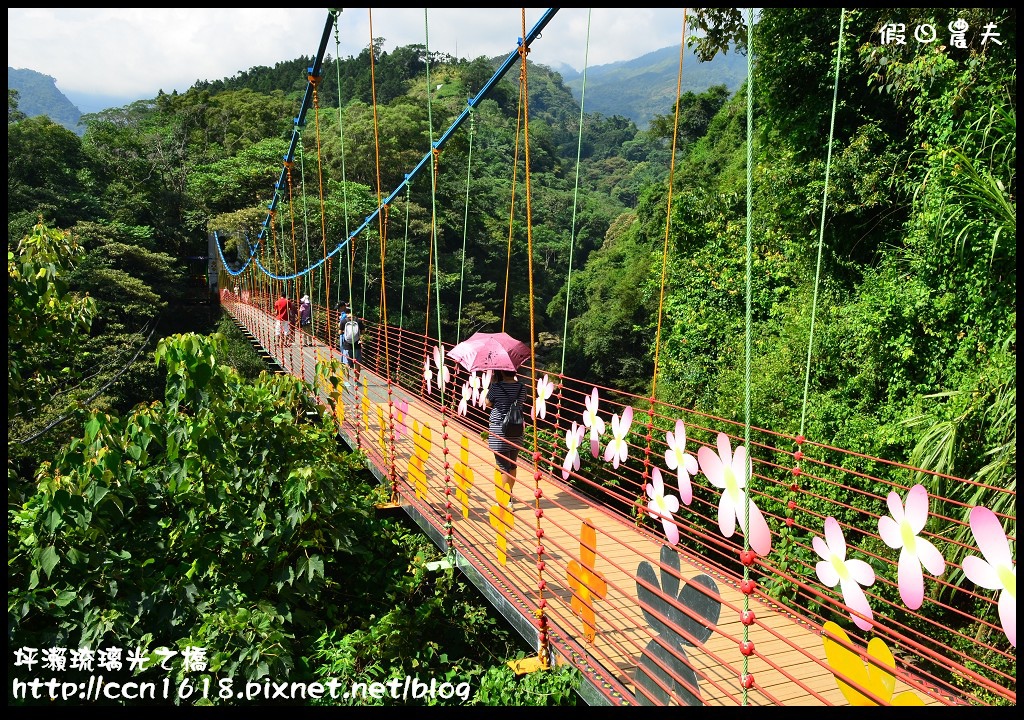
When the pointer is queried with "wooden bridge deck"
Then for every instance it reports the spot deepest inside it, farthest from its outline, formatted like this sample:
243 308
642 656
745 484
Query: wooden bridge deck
788 665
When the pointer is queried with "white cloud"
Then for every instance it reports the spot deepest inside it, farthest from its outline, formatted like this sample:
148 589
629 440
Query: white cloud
136 52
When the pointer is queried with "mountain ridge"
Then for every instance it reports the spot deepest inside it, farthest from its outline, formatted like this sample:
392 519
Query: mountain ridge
38 95
645 86
636 89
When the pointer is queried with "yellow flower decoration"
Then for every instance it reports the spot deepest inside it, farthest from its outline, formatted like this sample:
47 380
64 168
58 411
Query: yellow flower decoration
877 675
586 582
463 476
501 517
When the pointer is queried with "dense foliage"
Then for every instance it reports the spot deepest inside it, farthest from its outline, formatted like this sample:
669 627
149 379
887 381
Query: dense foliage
222 518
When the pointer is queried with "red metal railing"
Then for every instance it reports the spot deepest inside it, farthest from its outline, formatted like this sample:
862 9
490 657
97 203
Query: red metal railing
950 650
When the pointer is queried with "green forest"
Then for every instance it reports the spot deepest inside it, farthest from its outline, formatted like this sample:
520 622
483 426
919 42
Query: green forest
165 489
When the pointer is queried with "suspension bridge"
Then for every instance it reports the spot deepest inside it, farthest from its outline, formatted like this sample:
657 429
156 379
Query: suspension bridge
673 557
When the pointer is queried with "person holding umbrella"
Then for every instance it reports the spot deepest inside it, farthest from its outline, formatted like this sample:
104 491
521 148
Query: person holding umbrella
504 391
502 354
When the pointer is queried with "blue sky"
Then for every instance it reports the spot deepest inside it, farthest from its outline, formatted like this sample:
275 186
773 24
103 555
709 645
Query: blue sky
134 53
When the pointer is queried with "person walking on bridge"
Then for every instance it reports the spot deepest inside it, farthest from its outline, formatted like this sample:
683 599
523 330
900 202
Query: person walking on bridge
504 391
281 328
305 320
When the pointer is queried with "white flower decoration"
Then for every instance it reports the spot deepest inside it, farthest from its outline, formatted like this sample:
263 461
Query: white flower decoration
834 569
544 389
485 384
593 421
618 448
442 370
474 382
573 438
678 459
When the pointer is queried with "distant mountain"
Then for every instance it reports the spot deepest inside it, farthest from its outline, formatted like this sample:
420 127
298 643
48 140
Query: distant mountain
38 95
93 103
636 89
643 87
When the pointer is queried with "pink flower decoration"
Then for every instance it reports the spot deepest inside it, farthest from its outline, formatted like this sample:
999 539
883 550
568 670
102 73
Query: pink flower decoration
427 375
678 459
618 448
849 574
662 506
573 438
900 532
403 412
593 421
728 472
544 389
996 571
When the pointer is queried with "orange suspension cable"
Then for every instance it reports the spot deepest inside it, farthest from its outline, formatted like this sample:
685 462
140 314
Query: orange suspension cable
668 212
430 261
543 650
288 165
297 330
661 297
512 203
273 242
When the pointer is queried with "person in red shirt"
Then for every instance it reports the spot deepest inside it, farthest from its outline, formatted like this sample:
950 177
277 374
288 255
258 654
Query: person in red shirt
282 328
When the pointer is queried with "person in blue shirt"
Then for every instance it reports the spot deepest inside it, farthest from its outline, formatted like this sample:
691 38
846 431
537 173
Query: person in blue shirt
350 329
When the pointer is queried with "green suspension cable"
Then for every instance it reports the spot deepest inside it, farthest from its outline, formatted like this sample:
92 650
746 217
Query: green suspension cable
349 253
824 205
449 539
746 352
405 248
575 196
366 274
433 197
465 223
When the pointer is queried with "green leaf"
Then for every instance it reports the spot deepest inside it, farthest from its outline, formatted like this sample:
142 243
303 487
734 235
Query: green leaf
48 559
64 597
92 428
316 566
52 520
96 492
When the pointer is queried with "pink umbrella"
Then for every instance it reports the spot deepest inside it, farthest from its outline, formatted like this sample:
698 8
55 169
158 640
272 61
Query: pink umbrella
490 351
